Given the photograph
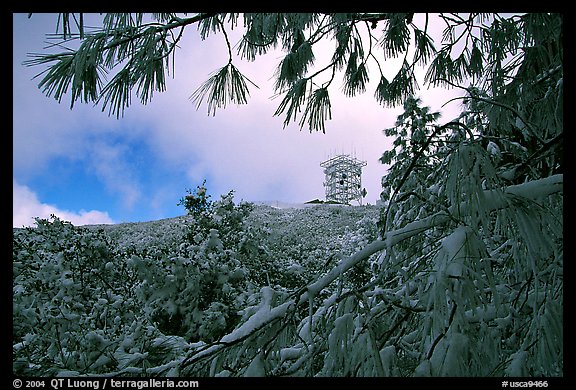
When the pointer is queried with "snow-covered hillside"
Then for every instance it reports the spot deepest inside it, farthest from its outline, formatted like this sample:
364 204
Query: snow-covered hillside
289 225
178 278
246 290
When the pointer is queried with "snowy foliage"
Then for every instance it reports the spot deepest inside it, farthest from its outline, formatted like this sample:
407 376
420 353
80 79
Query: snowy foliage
109 298
314 291
460 273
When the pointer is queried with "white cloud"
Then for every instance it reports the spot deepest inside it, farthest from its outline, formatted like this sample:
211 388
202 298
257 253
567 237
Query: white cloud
245 149
26 206
114 171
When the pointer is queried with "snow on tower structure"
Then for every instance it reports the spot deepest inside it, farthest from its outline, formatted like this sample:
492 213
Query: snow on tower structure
343 179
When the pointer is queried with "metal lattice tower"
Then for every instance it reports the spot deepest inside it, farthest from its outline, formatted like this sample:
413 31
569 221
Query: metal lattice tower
343 179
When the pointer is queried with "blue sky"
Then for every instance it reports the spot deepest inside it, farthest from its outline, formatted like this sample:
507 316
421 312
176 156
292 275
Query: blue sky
87 167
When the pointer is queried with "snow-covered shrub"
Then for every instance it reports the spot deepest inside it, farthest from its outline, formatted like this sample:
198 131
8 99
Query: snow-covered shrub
197 289
195 294
196 202
72 300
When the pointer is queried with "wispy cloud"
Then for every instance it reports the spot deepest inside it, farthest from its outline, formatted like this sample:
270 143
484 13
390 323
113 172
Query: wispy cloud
26 206
156 151
109 163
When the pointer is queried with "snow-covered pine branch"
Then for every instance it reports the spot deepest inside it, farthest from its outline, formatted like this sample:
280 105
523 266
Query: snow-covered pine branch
495 199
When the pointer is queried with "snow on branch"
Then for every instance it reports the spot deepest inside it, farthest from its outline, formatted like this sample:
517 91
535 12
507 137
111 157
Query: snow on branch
537 189
261 318
495 199
533 190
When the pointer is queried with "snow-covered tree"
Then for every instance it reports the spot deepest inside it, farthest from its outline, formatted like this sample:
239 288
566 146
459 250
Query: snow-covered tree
466 274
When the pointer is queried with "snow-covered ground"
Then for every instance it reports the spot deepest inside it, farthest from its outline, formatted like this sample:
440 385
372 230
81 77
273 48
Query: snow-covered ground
283 205
290 205
309 224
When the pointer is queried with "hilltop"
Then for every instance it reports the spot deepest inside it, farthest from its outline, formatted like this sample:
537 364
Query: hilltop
321 226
